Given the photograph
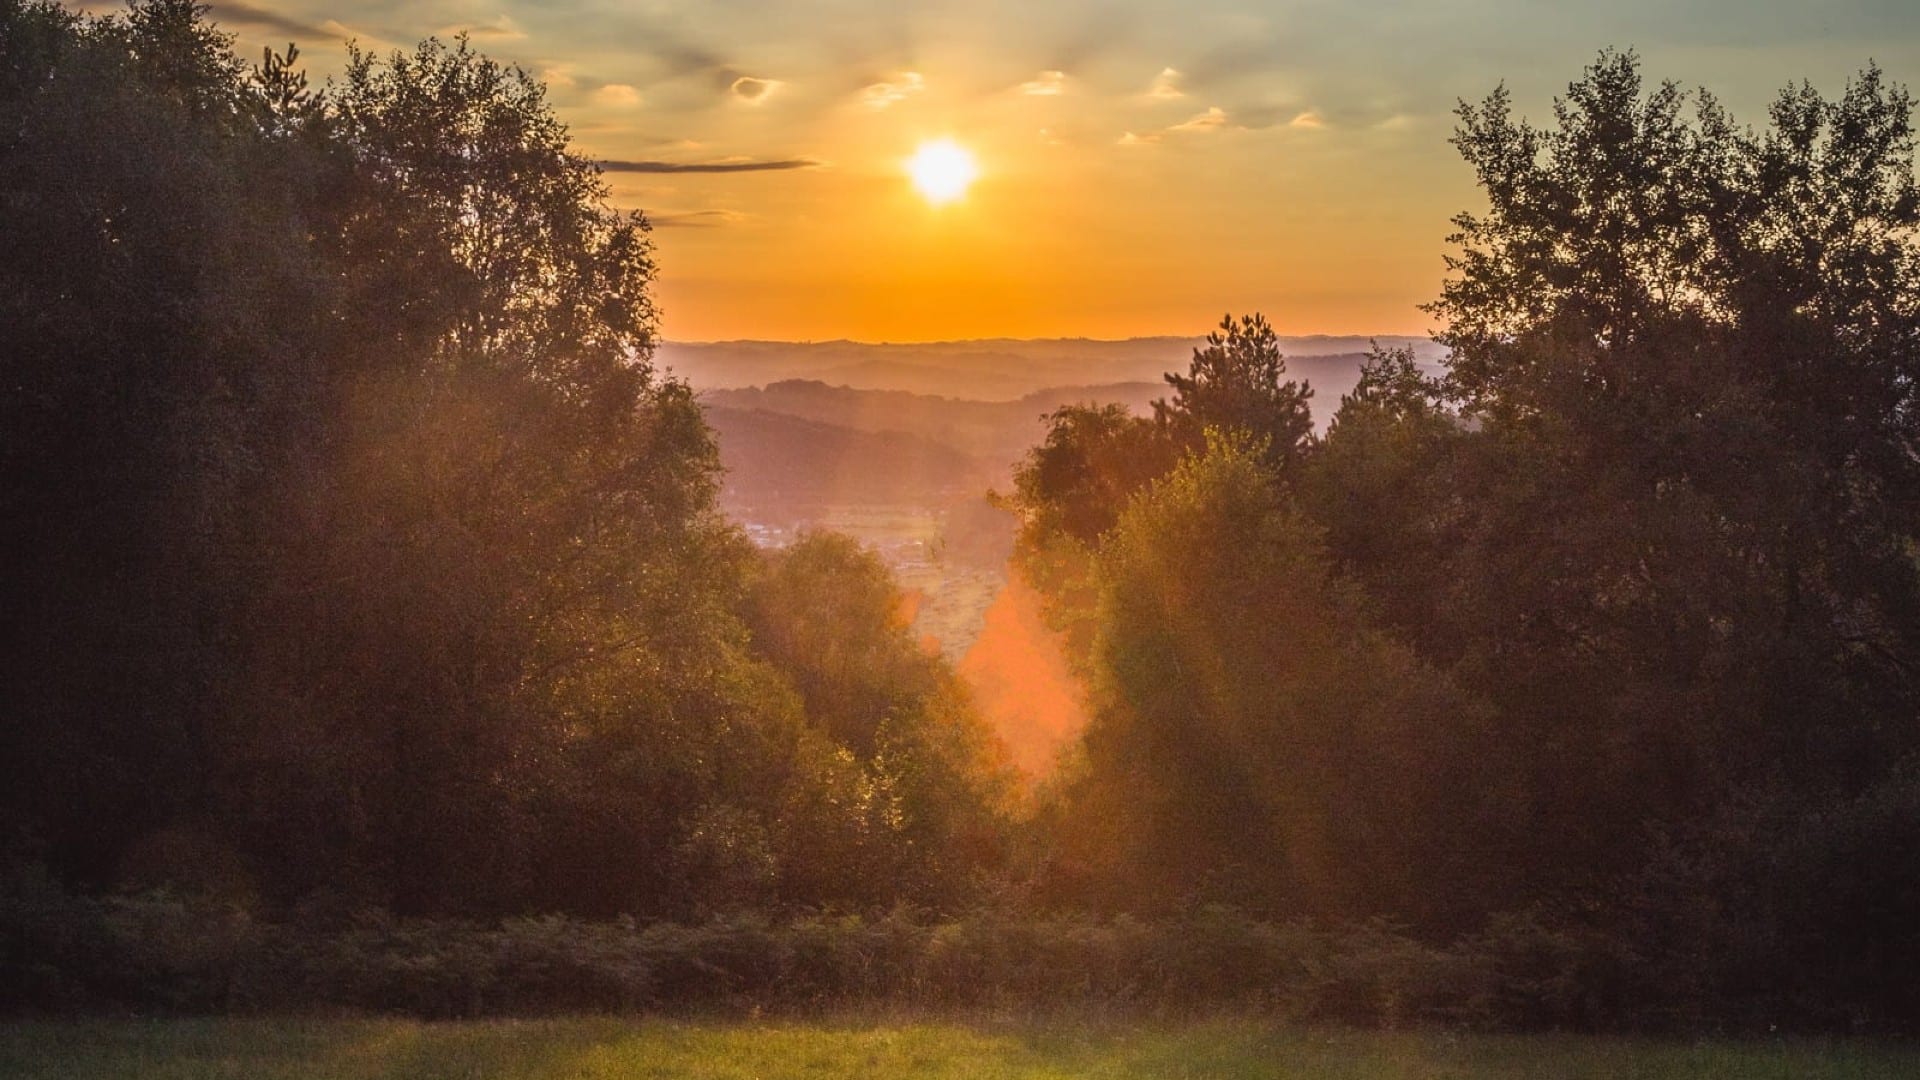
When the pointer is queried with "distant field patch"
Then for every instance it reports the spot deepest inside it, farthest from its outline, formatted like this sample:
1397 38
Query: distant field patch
593 1049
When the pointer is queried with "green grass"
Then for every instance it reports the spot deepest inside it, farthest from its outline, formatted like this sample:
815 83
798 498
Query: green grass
641 1050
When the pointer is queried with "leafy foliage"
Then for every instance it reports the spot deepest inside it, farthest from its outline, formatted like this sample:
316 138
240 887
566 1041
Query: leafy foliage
1637 568
1255 739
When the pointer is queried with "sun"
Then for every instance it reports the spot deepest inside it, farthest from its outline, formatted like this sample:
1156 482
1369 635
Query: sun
942 169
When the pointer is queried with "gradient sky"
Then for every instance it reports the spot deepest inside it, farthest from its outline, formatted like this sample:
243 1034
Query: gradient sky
1144 166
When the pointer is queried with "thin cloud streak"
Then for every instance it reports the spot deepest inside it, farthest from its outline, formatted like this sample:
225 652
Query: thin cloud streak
781 165
240 13
696 219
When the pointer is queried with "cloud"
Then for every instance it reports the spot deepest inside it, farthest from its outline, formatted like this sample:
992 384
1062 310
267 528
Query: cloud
1166 86
378 38
500 29
889 92
1214 119
1045 84
1105 31
240 13
1211 120
1307 119
697 219
1252 54
680 57
727 166
618 95
753 91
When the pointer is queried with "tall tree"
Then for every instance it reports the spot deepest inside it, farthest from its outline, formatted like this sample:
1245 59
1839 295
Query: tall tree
1237 383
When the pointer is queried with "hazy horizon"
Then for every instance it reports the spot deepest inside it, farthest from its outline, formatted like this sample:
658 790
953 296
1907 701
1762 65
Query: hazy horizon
1290 340
1003 369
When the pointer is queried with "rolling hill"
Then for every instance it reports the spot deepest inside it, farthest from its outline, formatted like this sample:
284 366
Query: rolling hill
989 370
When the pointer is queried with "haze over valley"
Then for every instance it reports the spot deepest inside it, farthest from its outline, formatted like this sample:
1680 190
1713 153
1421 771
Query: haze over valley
899 446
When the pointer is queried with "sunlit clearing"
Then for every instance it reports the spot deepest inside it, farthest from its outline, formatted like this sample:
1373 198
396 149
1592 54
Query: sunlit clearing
942 169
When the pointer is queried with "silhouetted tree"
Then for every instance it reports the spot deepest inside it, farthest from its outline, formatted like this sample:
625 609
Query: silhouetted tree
1237 383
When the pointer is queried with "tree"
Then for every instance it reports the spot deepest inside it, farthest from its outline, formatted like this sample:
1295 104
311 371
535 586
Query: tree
1073 487
160 323
1236 384
1716 330
1659 508
1254 738
826 613
1380 484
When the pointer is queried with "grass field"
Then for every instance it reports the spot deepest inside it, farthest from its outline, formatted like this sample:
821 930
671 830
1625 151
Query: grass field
592 1049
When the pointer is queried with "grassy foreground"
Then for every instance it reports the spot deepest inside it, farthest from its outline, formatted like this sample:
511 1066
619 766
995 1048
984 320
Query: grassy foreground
591 1049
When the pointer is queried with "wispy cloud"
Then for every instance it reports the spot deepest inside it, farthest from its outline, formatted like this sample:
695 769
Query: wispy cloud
1212 120
240 13
1166 86
727 166
1045 84
1307 119
499 29
892 91
618 95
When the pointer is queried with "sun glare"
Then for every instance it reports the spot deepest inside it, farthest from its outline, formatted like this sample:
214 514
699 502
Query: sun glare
942 169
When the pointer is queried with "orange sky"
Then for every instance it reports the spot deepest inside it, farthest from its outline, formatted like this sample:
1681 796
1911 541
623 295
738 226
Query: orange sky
1145 165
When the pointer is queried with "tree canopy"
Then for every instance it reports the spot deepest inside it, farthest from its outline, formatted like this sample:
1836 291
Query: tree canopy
354 544
1636 565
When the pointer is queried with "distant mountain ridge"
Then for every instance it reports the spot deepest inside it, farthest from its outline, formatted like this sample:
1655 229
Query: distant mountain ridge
818 438
995 369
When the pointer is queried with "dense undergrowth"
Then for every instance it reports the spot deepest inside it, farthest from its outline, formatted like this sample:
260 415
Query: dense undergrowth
160 953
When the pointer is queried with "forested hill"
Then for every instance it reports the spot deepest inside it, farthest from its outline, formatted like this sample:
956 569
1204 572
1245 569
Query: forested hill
774 456
995 432
806 440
